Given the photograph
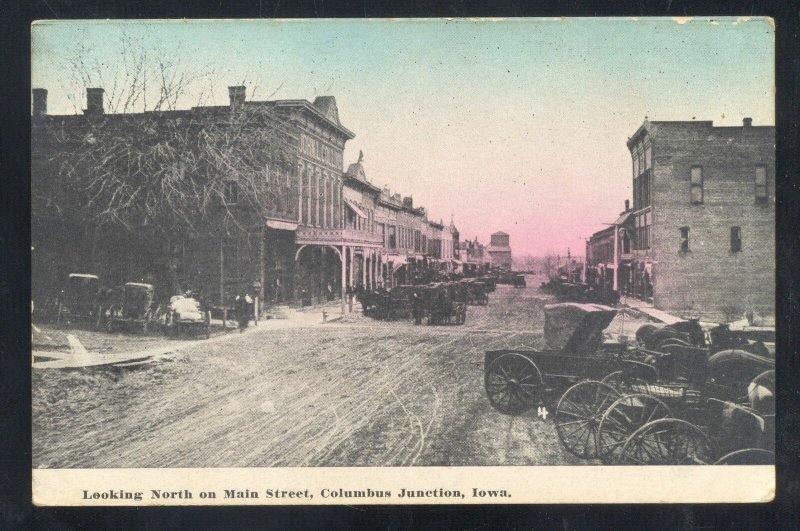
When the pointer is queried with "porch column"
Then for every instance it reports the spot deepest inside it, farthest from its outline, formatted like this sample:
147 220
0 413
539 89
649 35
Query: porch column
343 257
364 267
616 256
350 261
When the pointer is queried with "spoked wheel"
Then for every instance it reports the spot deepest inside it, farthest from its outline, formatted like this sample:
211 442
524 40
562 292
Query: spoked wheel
666 442
748 456
578 415
622 418
512 383
614 380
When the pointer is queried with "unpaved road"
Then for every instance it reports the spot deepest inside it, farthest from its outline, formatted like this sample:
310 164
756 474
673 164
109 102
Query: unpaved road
356 392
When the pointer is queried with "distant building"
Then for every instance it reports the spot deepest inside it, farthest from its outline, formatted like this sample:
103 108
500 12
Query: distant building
499 250
703 218
608 254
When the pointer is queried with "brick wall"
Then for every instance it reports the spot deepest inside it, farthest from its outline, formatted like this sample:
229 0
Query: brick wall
710 280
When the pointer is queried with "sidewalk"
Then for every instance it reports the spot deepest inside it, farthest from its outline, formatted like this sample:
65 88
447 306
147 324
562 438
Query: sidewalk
647 309
78 356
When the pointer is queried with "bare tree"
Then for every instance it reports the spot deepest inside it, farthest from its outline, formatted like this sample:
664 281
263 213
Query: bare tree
161 174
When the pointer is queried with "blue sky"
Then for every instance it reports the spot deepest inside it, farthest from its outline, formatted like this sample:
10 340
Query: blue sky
515 125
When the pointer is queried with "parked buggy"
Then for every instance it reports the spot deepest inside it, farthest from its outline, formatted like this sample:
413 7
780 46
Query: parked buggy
477 293
78 301
673 391
442 305
186 315
134 307
518 281
516 380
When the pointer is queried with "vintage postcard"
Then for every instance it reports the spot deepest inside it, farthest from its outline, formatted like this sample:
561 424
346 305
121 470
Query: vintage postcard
403 261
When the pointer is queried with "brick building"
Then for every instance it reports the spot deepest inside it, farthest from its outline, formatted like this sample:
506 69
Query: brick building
703 218
499 250
278 216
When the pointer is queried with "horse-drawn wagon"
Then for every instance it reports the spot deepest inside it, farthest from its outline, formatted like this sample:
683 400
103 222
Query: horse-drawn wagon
679 404
516 380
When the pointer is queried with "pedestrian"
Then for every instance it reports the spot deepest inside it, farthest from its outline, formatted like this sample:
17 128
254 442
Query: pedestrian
243 304
416 306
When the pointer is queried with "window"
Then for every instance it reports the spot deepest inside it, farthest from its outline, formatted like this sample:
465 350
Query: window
736 239
761 185
648 158
684 239
697 185
392 237
231 192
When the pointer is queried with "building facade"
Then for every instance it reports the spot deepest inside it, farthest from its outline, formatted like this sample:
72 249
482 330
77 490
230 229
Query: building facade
703 218
608 254
279 217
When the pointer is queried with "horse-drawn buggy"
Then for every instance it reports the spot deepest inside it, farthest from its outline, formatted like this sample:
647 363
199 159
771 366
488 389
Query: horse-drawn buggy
78 300
640 421
517 380
132 306
476 291
443 303
679 404
683 404
186 315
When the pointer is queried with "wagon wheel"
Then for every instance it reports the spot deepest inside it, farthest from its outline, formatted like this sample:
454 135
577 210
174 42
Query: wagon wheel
512 383
614 380
578 415
748 456
110 326
626 415
666 442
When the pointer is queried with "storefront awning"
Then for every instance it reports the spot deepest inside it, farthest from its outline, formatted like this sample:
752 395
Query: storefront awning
281 225
357 211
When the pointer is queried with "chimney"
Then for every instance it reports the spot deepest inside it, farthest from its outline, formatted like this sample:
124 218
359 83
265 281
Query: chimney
39 101
627 205
94 101
408 201
747 122
237 95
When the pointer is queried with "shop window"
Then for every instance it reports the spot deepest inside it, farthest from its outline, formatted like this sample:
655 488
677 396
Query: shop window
697 185
736 239
684 239
761 185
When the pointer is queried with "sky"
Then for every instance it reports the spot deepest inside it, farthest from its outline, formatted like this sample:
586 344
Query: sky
515 125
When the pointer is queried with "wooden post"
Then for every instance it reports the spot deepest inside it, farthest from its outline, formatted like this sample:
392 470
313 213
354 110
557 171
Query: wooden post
222 282
262 272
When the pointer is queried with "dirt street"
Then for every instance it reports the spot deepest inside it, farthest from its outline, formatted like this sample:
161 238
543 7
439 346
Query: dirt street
354 392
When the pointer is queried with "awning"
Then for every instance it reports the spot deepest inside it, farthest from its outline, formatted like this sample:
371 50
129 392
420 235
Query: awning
281 225
357 211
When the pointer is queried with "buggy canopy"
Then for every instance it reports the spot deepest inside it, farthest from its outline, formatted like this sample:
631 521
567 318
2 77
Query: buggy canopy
575 327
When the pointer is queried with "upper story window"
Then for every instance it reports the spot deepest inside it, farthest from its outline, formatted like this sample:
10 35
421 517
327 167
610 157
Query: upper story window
392 237
697 185
642 231
648 157
761 185
736 239
684 243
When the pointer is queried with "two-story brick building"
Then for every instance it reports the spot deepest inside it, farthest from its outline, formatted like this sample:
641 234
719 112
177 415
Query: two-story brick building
269 208
704 218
